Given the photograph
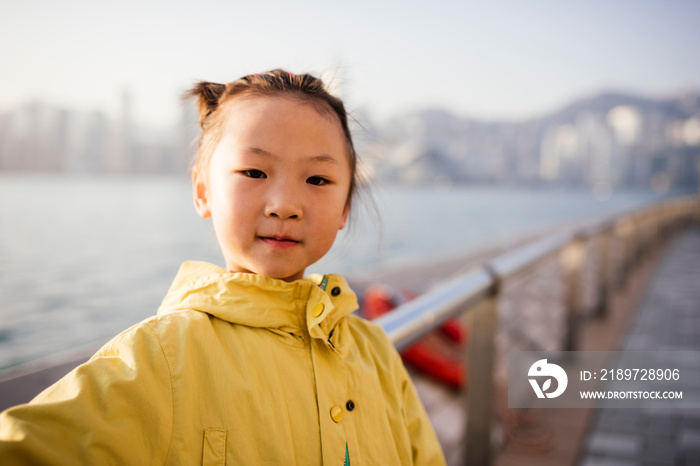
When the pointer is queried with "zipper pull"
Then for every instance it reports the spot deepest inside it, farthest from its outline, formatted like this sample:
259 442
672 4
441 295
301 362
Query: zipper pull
329 339
324 283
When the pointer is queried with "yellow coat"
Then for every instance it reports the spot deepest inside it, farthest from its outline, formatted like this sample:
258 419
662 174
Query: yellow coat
234 369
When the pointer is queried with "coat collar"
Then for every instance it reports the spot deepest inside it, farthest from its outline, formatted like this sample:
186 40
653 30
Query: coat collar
257 301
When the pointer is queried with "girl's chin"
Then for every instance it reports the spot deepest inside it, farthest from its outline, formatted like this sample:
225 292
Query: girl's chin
287 276
281 271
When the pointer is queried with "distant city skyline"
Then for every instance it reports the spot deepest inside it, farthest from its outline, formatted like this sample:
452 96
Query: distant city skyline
606 142
494 60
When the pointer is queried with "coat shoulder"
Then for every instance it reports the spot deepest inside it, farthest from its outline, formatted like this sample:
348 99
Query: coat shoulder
153 332
370 337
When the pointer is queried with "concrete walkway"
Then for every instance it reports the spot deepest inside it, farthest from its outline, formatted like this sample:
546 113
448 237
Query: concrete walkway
667 320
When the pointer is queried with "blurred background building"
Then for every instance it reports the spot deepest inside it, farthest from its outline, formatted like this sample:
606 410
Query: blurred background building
607 141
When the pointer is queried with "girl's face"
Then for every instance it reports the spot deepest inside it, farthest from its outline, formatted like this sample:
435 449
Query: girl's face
276 187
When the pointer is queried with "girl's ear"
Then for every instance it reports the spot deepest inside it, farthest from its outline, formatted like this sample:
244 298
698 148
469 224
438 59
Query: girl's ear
200 195
344 219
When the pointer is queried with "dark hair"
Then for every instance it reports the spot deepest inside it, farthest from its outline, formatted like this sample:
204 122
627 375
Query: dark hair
211 97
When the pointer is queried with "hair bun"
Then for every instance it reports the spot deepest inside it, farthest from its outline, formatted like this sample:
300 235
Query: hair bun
208 95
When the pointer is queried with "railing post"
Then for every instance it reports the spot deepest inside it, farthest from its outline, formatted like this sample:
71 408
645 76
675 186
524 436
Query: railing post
480 360
655 231
643 237
632 242
660 226
572 259
624 243
651 234
666 223
638 234
601 310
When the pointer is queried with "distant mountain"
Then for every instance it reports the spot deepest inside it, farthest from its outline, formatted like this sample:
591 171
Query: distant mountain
612 138
680 107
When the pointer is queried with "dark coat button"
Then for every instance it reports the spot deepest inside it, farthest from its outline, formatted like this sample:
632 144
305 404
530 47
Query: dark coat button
335 291
350 405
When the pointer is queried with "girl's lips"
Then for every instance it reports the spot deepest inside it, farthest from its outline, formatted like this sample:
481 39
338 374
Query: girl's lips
279 242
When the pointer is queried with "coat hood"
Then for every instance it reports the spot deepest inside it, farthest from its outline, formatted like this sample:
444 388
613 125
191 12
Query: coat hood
257 301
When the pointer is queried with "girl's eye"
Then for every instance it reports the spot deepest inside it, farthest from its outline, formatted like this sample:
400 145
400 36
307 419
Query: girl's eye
317 181
254 174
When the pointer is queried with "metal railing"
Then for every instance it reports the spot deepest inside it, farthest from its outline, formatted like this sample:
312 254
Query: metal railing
476 294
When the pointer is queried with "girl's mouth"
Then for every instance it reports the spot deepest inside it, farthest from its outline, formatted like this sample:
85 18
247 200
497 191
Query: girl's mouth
279 241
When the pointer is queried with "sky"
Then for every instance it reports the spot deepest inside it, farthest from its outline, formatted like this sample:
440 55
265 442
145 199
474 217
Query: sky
492 60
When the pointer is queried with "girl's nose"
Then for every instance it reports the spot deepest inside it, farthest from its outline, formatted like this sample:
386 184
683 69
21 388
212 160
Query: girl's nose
283 202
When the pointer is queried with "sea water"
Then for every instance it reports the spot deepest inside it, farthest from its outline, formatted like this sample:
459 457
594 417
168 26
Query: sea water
84 257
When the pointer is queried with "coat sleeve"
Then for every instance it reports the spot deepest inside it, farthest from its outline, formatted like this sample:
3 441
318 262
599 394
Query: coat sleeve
425 446
114 409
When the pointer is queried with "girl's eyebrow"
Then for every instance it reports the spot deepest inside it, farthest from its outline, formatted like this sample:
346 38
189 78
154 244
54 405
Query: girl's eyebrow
314 158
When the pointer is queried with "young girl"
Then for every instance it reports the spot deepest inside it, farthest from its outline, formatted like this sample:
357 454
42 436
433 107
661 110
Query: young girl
252 364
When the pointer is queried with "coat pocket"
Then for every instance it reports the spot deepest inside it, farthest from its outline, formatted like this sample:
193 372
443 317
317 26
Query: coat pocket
214 449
